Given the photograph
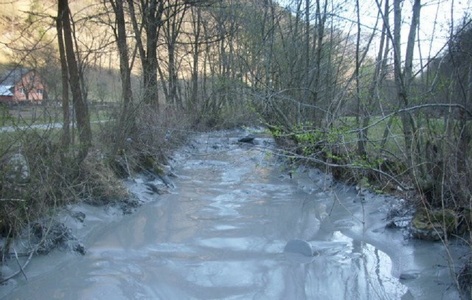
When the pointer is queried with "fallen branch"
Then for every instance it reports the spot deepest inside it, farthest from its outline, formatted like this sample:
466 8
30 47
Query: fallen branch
347 209
285 153
13 199
18 262
22 267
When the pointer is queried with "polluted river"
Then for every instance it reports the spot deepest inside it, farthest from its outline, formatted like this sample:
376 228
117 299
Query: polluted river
238 225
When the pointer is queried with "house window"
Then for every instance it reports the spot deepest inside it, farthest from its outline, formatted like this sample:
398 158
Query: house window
39 91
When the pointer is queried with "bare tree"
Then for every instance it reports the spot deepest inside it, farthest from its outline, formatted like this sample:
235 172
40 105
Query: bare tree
66 136
403 75
126 122
174 18
196 15
151 19
79 102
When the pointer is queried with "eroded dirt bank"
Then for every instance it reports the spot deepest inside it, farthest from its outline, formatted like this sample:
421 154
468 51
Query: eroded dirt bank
222 231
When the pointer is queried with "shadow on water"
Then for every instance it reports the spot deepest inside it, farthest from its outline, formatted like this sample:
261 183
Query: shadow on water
236 228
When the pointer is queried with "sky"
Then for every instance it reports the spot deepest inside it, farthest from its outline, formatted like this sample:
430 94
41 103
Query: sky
436 18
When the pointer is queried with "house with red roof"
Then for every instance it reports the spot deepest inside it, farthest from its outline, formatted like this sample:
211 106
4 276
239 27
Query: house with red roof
21 86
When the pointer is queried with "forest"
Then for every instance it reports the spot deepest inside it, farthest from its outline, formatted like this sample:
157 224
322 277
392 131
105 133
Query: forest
364 90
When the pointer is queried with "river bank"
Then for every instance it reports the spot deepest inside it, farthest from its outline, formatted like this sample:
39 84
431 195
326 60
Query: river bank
221 233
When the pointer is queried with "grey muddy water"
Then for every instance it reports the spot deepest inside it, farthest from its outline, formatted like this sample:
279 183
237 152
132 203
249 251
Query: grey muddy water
237 226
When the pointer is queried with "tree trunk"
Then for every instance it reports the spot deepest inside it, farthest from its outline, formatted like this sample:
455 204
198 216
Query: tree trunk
321 21
403 80
361 134
465 137
151 22
66 136
125 69
126 120
80 105
197 18
376 78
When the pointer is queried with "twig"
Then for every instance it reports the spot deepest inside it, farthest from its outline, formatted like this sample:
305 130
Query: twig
18 262
2 280
349 166
127 164
416 107
12 199
347 209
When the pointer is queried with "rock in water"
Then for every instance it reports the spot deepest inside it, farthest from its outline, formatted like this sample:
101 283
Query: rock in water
299 246
247 139
409 275
434 225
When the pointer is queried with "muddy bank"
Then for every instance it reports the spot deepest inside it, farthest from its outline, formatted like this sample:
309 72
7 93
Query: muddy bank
237 225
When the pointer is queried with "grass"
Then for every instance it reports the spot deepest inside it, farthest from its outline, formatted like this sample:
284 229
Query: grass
27 115
435 146
394 143
427 129
342 136
56 178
